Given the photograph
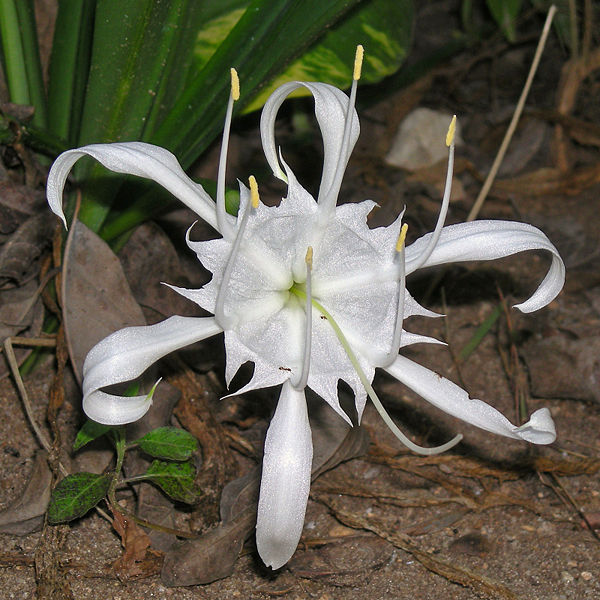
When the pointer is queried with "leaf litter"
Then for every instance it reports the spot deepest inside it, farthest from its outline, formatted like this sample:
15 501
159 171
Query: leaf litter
462 476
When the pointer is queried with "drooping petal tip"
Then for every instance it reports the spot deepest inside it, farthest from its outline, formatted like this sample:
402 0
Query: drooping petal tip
285 479
539 429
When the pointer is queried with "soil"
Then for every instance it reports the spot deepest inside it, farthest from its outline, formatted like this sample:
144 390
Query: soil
493 518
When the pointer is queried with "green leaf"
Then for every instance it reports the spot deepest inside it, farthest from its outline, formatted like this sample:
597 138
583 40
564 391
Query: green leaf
505 13
29 41
175 479
267 37
75 495
69 66
169 443
137 52
89 432
480 333
384 29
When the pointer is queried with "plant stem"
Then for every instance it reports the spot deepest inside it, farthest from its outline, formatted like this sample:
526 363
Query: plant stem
118 435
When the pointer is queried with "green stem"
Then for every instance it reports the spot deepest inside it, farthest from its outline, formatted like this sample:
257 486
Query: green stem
135 479
118 435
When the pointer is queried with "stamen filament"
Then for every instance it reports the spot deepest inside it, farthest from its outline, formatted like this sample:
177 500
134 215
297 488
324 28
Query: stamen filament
223 320
303 379
222 219
420 260
399 259
371 392
329 199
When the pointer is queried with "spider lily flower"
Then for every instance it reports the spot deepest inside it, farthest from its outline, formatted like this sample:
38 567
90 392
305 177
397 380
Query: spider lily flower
308 293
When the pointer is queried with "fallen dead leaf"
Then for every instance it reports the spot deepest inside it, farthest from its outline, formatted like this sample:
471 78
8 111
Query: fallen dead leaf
96 298
213 556
137 559
19 256
26 513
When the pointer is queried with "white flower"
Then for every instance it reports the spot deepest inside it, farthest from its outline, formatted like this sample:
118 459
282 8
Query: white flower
309 294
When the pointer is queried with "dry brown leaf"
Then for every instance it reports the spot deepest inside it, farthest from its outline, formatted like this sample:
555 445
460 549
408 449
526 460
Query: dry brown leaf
138 559
96 298
26 513
213 556
19 256
21 314
148 259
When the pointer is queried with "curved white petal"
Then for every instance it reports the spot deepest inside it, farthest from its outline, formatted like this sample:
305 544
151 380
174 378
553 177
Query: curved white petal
452 399
133 158
285 479
331 105
487 240
107 409
126 354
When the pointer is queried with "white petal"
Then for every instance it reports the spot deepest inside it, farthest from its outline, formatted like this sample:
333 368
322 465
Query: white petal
330 109
126 354
452 399
285 479
115 410
487 240
408 338
133 158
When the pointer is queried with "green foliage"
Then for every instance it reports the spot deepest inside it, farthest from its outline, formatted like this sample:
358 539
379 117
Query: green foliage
175 479
75 495
384 29
158 71
505 13
480 333
169 443
89 432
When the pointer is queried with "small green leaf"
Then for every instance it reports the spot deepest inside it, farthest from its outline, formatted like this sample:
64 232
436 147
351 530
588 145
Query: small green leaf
89 432
75 495
175 479
480 333
169 443
505 13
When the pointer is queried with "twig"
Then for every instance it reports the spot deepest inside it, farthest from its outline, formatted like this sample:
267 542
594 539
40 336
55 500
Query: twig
480 583
568 499
453 356
49 342
14 367
515 119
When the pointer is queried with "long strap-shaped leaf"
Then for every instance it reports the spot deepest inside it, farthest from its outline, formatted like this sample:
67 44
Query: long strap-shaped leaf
21 56
266 38
133 46
69 67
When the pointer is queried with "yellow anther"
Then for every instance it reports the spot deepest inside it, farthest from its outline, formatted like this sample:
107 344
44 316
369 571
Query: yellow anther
401 238
235 85
451 131
254 197
358 60
309 257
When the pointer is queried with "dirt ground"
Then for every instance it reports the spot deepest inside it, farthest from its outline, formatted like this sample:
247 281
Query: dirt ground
493 518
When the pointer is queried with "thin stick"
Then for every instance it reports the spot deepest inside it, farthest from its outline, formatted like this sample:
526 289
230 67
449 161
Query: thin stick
48 342
515 119
14 367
